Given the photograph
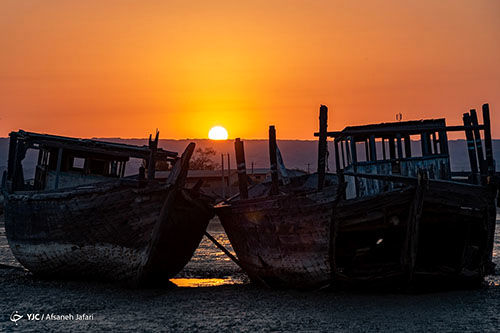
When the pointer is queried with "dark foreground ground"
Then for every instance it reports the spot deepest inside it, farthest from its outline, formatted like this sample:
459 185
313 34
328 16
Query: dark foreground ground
230 303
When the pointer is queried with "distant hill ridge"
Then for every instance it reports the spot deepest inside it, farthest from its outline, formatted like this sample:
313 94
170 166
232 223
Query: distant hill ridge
297 154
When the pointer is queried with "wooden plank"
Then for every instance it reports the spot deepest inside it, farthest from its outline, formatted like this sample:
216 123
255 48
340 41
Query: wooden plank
410 246
58 168
337 157
413 180
153 147
487 140
407 146
373 149
399 145
241 167
322 145
479 145
223 183
410 130
273 161
471 149
392 148
88 145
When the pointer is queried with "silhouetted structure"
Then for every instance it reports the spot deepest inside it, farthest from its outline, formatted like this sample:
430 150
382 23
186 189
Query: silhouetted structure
398 218
81 218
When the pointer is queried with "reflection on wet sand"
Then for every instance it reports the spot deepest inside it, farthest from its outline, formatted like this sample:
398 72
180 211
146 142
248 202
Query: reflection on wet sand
193 282
210 267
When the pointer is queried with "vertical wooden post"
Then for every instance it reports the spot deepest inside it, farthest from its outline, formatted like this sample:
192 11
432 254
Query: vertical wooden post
223 187
373 149
58 168
153 146
273 161
342 144
470 147
241 167
424 142
337 157
443 142
399 145
392 148
487 139
354 154
323 124
435 143
407 146
367 150
384 155
228 175
479 145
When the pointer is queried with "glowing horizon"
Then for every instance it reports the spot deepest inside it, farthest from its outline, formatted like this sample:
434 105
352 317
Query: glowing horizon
122 69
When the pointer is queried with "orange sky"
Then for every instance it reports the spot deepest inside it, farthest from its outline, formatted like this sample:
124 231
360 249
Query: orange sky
123 68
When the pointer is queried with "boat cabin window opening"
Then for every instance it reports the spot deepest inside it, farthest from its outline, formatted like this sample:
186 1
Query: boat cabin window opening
78 163
29 170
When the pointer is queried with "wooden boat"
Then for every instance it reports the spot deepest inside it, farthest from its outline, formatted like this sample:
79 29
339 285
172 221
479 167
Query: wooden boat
391 216
82 218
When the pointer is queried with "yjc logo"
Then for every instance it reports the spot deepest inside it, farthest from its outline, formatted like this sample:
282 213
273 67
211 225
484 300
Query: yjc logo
15 316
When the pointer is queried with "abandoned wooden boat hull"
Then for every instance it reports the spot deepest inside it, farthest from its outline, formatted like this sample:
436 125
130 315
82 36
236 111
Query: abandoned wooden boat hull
104 231
309 241
281 240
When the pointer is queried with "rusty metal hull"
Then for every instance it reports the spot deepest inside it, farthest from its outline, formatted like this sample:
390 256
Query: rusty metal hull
299 240
105 232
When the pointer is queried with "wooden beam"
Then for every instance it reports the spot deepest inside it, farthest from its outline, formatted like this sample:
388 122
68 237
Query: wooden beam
58 168
223 184
273 161
399 145
322 145
337 157
410 129
471 148
410 247
483 168
354 154
487 139
392 148
241 167
373 149
407 146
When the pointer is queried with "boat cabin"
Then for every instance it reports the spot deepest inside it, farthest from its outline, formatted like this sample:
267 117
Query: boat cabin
65 162
386 149
401 149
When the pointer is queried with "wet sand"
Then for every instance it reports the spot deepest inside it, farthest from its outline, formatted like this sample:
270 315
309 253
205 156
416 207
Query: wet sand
225 301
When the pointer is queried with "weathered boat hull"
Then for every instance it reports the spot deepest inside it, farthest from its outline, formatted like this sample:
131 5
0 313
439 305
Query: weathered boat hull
302 241
104 232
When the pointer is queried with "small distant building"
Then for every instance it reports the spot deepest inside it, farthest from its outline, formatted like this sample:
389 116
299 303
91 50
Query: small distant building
214 185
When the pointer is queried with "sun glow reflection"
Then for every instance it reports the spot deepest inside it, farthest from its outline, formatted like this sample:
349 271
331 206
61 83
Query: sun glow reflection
217 133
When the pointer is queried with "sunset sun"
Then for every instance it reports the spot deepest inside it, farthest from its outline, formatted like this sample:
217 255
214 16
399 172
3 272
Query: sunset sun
217 133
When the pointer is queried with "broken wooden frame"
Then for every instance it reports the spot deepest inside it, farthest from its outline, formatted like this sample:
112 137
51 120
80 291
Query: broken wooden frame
396 154
58 153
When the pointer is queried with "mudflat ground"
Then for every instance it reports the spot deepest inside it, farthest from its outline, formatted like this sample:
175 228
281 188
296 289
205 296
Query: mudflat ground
214 295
